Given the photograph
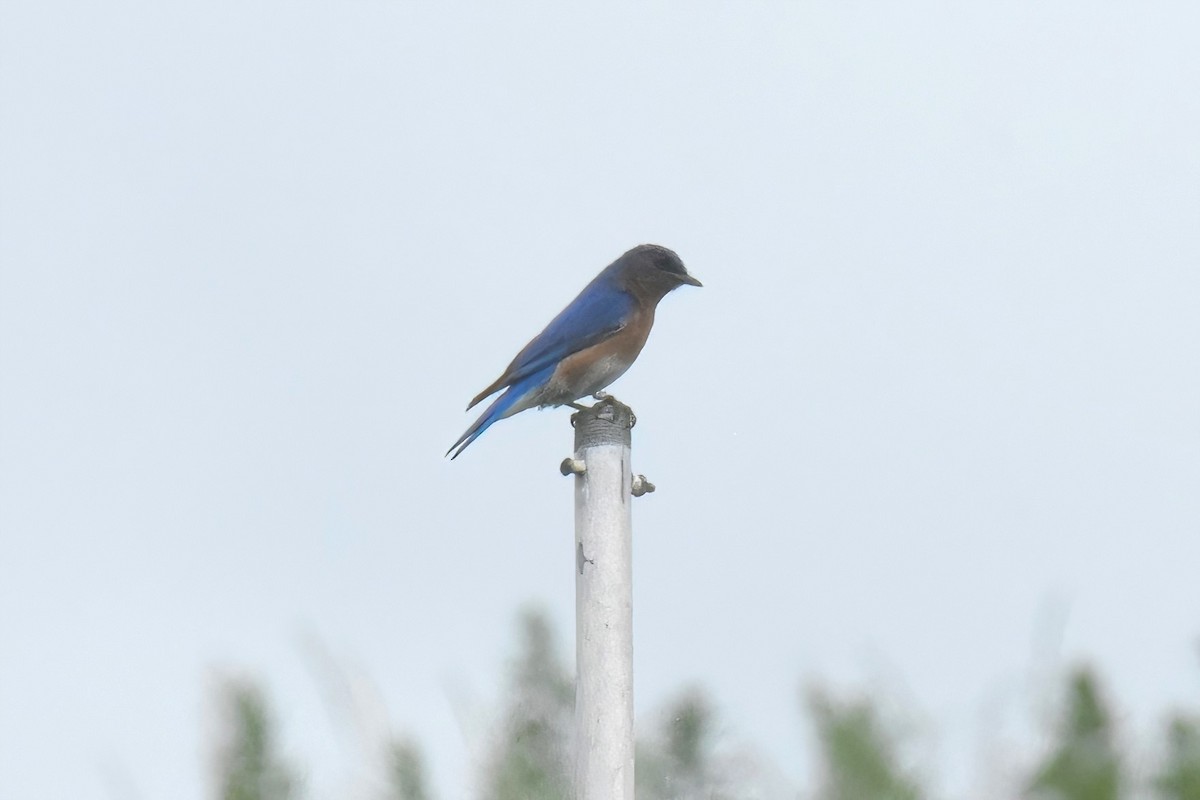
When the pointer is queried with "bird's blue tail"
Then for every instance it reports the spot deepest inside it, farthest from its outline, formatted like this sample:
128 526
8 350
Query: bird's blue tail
503 406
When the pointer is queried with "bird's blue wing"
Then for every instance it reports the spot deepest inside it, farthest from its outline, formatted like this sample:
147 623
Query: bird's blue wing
600 310
596 314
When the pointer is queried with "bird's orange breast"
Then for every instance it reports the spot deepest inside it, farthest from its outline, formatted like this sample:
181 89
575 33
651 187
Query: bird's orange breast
590 370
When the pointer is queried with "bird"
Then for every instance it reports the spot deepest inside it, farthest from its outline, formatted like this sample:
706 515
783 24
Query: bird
590 344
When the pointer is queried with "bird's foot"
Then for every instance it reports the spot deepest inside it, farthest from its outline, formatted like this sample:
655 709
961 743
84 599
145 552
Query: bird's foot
607 408
597 396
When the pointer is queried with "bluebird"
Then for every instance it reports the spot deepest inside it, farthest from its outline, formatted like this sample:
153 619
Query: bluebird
590 344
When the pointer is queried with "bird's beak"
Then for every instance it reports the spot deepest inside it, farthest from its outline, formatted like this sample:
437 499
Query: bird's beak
689 280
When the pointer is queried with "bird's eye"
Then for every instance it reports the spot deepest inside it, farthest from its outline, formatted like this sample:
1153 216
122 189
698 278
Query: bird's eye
672 265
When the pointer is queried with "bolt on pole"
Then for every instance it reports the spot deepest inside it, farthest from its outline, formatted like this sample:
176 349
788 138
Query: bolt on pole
604 484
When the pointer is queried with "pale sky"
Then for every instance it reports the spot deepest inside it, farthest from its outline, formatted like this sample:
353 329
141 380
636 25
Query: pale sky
932 426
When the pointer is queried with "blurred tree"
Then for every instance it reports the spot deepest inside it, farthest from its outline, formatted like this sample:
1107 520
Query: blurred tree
858 756
1180 775
531 759
407 770
247 766
1083 764
678 763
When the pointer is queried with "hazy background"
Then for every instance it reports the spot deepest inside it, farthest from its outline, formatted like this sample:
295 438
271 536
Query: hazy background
933 423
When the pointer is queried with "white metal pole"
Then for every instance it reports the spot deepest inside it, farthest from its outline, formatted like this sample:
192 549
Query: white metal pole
604 601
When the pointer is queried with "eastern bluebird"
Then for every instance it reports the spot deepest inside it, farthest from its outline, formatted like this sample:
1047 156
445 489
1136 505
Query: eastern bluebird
590 344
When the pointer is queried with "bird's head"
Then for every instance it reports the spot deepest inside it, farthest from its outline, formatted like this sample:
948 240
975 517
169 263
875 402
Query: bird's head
655 270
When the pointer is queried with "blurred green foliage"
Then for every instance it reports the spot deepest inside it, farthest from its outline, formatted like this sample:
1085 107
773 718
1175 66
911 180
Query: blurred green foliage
407 772
531 759
678 762
686 757
1180 775
248 767
1083 765
857 752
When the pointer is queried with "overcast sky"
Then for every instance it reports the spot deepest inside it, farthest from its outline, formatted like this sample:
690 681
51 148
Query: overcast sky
932 426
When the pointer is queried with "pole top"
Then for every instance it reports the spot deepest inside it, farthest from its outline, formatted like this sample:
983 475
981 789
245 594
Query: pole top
608 422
